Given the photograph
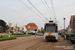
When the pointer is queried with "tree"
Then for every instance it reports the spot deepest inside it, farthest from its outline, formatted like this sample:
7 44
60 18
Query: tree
39 31
7 27
42 30
3 25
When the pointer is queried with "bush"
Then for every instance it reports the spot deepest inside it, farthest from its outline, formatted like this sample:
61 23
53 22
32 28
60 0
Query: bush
32 33
22 35
3 39
24 32
67 36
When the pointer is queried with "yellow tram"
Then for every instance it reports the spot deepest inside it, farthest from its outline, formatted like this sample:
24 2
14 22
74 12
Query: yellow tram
51 31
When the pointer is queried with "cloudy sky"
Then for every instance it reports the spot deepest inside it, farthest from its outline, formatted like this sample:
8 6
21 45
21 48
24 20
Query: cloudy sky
21 13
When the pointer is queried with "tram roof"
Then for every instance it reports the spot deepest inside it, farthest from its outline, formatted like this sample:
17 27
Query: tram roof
51 23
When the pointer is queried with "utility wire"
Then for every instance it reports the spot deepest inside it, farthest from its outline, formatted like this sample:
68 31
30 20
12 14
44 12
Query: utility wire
53 7
46 7
29 8
53 11
38 10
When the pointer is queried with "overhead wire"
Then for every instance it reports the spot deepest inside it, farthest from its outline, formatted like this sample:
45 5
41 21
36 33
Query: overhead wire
53 7
53 11
48 8
30 8
38 10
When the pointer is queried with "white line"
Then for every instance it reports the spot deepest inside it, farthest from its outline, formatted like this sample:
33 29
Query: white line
41 46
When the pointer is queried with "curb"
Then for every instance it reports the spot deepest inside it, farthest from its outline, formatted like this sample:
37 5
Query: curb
71 43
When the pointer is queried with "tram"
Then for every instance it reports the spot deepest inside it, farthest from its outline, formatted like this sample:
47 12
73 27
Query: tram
51 31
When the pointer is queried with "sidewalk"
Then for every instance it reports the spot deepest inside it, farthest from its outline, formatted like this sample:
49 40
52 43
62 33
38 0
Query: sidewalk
3 33
64 44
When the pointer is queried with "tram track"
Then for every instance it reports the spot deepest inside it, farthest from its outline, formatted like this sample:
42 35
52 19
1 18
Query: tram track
26 44
16 44
43 46
34 44
51 47
14 41
24 40
21 44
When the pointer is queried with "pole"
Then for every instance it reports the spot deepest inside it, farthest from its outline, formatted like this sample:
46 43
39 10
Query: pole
9 32
35 33
9 28
64 28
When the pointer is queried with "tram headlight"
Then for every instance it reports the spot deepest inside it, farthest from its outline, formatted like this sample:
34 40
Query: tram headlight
53 34
47 34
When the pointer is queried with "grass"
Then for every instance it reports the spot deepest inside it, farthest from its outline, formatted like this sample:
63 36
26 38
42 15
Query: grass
23 35
5 37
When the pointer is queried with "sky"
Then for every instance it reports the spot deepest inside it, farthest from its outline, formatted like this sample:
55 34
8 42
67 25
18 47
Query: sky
22 14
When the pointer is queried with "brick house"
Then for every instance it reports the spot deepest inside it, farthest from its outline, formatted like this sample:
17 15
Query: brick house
72 23
31 27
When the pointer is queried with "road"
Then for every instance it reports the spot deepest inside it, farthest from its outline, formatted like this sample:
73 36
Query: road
36 43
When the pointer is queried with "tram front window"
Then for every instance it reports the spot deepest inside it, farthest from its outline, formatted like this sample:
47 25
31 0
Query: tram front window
50 29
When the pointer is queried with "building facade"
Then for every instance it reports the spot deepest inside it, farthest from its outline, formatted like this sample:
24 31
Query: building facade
72 23
31 27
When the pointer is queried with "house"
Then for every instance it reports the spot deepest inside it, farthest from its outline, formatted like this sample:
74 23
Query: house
23 29
69 30
14 28
31 27
10 28
72 24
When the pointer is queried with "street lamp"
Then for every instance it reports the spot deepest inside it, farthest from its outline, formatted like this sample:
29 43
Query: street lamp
64 27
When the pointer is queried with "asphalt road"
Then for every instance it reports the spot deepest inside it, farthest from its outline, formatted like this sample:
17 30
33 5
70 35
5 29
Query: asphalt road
37 43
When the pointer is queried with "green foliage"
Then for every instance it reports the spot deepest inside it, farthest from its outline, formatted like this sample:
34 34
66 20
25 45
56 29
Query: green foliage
7 27
23 35
32 33
3 25
67 36
41 31
5 37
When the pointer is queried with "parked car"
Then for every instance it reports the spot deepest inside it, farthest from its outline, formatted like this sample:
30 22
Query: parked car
39 34
18 33
72 38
